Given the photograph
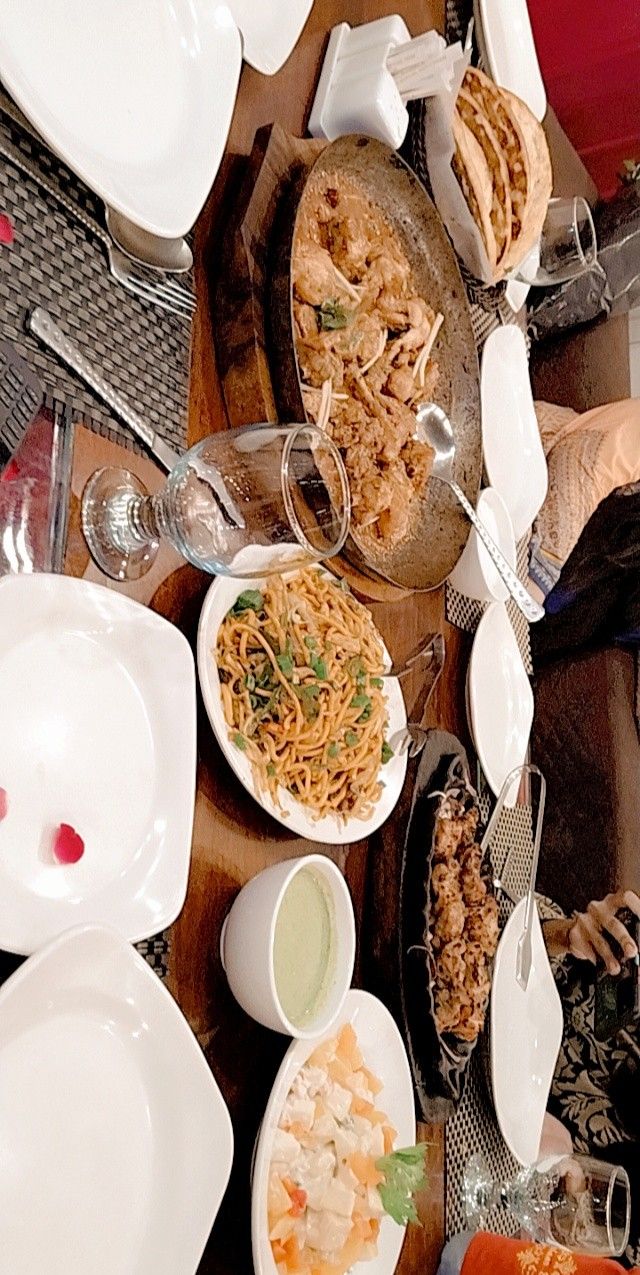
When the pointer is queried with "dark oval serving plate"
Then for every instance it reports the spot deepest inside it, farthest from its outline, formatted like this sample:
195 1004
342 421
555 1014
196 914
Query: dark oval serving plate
441 529
438 1062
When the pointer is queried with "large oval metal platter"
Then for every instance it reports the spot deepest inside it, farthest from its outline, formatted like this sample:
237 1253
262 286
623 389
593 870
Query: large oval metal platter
439 528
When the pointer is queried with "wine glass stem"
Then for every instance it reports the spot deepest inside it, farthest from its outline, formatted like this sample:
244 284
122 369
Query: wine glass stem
147 518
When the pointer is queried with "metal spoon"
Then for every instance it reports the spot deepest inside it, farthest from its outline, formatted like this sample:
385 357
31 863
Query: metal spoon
173 256
434 427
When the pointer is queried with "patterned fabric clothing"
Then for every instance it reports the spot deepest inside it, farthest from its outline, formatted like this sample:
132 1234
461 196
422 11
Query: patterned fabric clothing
580 1094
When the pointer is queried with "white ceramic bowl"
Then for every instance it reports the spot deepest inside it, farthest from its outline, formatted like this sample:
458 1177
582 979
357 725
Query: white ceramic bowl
474 574
246 945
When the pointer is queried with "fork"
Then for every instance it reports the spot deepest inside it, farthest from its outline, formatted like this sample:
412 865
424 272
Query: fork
413 737
166 294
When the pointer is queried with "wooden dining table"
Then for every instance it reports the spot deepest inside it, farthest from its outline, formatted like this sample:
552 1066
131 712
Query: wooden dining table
233 838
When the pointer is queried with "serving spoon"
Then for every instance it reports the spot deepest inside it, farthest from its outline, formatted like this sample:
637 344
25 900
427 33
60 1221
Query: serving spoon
434 428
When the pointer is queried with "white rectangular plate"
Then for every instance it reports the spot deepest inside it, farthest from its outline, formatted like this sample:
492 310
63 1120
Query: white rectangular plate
137 97
115 1141
98 713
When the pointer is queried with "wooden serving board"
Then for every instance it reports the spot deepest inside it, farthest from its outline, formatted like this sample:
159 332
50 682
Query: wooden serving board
239 299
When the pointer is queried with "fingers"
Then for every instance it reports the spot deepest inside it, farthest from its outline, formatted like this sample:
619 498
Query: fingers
588 942
630 900
606 911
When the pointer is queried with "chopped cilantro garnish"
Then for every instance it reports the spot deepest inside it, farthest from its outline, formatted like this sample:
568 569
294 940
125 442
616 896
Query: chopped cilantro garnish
285 659
320 669
271 770
240 741
350 738
332 316
377 682
404 1174
386 753
311 643
333 750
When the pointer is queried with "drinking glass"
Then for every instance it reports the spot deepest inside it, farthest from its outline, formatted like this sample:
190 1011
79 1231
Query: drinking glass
574 1202
244 502
568 246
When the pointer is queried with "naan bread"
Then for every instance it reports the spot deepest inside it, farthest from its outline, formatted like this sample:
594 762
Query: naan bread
489 98
502 163
540 179
500 211
474 176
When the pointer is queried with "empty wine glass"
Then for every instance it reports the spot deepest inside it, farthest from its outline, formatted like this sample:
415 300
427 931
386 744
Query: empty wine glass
244 502
574 1202
567 248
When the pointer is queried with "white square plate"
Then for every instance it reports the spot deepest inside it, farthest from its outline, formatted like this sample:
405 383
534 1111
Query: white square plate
115 1141
270 30
500 699
526 1032
137 97
513 455
98 713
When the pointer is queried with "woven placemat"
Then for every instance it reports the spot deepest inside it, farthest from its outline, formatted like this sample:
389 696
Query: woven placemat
474 1127
142 350
466 613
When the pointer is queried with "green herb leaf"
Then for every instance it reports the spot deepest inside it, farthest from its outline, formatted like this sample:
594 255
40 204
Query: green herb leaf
310 643
377 682
271 770
332 316
350 738
308 696
240 741
250 600
364 702
285 659
320 669
387 753
404 1174
355 667
333 750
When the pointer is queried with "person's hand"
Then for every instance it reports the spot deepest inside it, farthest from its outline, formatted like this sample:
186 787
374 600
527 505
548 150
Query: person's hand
587 935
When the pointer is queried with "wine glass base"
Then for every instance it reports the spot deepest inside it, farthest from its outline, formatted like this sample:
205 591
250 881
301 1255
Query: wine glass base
105 524
479 1191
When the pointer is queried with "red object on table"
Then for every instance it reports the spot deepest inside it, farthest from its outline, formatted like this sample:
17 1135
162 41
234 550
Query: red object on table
589 53
502 1256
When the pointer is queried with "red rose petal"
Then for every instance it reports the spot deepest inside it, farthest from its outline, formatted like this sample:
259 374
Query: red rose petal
4 804
68 845
7 234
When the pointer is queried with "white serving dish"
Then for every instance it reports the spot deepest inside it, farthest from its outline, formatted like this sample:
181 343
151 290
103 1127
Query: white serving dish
270 31
500 699
474 573
98 712
525 1038
330 829
385 1055
115 1140
137 98
506 42
513 455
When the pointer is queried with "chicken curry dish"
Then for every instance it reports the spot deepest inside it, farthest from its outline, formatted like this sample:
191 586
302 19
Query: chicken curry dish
365 347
